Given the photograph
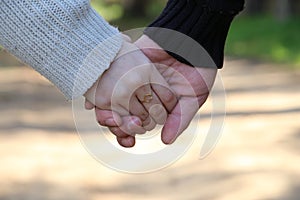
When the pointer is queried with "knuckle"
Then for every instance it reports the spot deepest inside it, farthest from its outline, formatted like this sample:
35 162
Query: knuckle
135 80
101 122
146 122
103 103
168 97
121 95
143 116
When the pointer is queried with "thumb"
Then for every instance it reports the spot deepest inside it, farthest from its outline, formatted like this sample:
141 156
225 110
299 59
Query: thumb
88 105
179 119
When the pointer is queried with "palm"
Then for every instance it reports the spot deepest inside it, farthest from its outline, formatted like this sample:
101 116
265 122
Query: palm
185 81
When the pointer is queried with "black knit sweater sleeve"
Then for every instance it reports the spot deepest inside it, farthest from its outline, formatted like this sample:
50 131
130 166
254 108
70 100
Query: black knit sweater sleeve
205 21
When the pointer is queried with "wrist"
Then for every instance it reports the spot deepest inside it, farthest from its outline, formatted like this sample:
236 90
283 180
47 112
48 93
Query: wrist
90 94
127 47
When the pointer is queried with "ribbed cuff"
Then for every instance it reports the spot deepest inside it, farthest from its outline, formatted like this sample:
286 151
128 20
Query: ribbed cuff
84 54
205 21
65 41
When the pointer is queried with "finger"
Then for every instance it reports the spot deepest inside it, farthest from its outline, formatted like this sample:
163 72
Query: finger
137 109
163 91
152 104
179 119
131 107
156 110
150 126
128 124
166 96
88 105
148 123
118 132
126 142
131 126
108 118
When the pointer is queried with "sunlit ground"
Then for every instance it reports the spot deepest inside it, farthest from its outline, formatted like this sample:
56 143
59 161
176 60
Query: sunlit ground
257 157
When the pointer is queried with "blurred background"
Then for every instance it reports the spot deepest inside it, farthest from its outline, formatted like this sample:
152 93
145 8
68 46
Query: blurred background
257 157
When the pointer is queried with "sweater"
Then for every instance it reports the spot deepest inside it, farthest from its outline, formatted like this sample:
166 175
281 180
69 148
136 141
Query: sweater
207 22
66 41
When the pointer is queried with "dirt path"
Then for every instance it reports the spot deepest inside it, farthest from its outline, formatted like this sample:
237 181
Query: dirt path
258 156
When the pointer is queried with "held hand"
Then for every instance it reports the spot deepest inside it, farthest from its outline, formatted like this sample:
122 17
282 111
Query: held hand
127 89
191 86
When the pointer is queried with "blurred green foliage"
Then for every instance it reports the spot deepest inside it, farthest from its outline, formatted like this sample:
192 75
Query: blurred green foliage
110 10
123 10
122 13
262 37
155 7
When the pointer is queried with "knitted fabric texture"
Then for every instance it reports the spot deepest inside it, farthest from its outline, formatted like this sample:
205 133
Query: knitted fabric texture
66 41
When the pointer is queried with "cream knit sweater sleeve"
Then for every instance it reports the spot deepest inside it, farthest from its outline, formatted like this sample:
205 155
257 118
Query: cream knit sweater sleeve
55 37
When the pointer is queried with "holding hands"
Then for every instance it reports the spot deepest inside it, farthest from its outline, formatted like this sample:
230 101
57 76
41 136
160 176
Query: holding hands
145 87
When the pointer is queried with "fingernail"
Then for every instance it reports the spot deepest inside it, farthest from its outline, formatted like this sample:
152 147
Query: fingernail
135 126
132 125
135 121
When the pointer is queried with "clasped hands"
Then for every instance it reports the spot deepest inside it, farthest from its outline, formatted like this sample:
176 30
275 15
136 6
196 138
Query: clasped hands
145 86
